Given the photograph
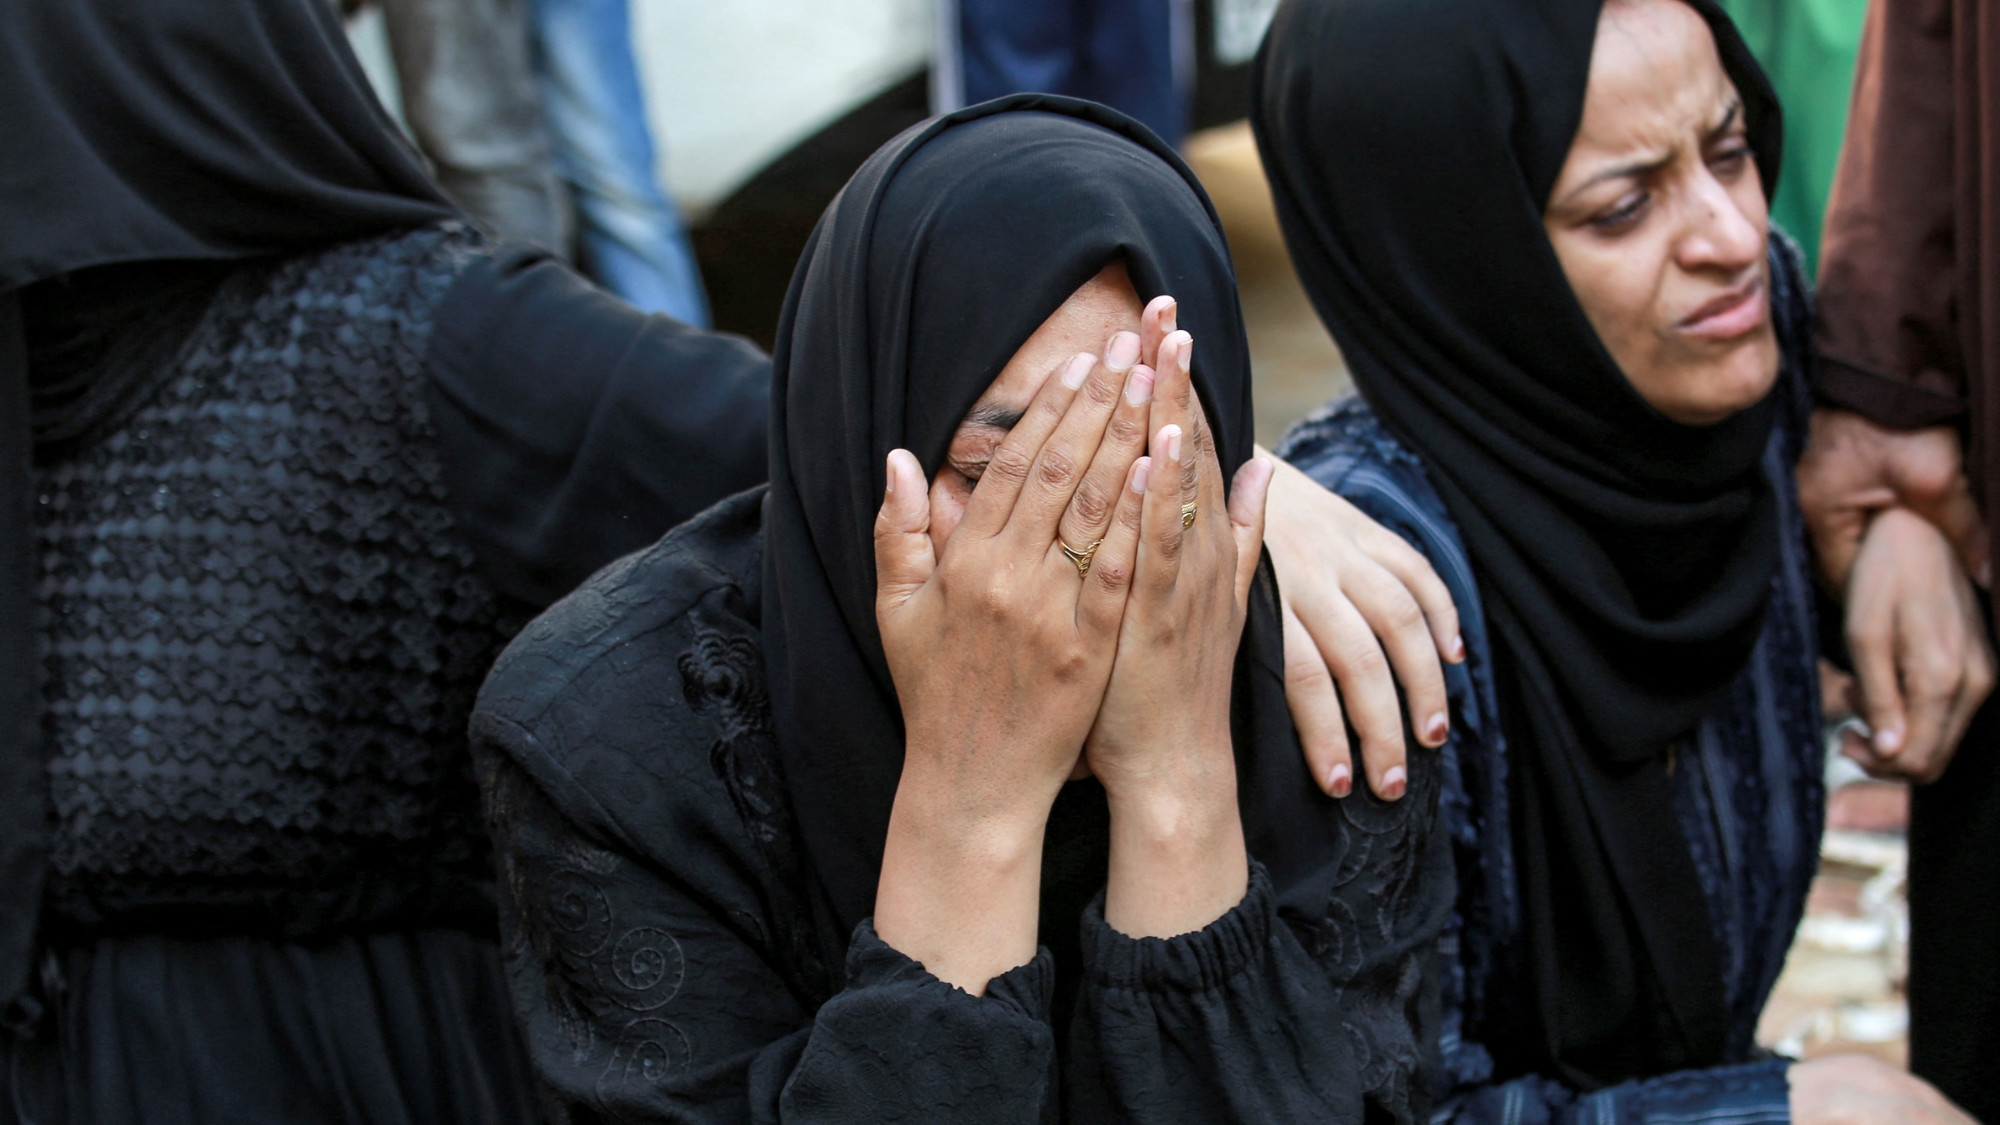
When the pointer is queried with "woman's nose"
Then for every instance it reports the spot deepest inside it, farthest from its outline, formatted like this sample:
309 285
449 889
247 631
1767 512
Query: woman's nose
1719 234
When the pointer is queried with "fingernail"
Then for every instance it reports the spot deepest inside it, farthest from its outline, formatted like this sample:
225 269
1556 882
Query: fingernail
1436 728
1170 316
1393 783
1340 779
1184 355
1123 352
1078 370
1142 474
1139 388
1171 439
1458 648
1888 740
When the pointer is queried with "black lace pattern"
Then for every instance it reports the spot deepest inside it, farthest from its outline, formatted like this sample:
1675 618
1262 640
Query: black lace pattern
264 636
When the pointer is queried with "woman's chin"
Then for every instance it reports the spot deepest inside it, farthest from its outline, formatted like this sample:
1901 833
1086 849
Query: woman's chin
1721 388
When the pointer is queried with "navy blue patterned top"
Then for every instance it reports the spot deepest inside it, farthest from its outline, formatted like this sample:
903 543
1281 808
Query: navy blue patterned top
1748 791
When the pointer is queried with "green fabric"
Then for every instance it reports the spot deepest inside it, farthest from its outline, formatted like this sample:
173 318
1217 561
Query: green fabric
1808 47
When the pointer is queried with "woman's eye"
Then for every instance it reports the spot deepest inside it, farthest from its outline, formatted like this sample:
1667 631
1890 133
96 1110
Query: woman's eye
1627 213
1730 160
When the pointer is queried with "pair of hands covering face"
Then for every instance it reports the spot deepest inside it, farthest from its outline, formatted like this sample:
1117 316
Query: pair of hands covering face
1899 538
1013 674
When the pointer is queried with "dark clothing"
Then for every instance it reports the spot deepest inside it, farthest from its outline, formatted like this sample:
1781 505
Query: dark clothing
1910 335
1118 52
1624 559
1747 797
664 951
265 626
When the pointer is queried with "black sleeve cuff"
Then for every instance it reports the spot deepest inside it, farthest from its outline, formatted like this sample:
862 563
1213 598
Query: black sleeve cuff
873 963
1895 403
1192 962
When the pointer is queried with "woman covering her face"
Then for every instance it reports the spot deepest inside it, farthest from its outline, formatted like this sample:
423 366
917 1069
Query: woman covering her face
1538 231
786 804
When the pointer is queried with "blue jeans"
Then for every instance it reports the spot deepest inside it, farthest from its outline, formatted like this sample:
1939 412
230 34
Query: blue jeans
630 235
1119 52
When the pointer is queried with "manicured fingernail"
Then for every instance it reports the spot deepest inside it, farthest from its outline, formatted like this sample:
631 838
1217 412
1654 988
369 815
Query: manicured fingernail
1142 474
1436 727
1340 779
1123 351
1139 387
1393 783
1888 740
1170 315
889 471
1170 437
1184 355
1458 648
1078 370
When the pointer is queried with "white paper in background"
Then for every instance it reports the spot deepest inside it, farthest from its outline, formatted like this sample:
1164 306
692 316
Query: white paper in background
733 84
1239 28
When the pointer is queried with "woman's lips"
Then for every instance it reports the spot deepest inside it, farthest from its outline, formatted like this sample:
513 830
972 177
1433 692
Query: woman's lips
1731 315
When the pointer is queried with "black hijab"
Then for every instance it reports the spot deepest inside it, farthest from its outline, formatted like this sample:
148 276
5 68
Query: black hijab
147 131
1624 559
940 257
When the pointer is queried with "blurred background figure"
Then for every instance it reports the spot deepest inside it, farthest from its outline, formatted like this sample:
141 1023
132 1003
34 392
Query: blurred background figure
532 115
1132 55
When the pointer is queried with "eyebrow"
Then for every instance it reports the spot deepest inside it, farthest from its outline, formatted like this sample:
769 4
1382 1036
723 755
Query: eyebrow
995 415
1644 167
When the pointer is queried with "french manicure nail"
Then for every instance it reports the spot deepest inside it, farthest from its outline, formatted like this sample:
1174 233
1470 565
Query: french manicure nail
1123 352
1139 388
1340 779
1142 474
1393 783
1436 728
1078 370
1173 443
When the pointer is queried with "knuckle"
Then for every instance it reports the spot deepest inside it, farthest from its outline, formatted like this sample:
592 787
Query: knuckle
1109 575
1008 465
1056 467
1126 429
1090 504
1103 391
1169 546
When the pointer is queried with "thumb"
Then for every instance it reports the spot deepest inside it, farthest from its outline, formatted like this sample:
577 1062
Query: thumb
904 558
1247 496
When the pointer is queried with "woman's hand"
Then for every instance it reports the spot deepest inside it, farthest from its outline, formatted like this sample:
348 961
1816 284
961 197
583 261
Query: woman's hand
1161 745
1859 1090
1000 658
1360 604
1921 661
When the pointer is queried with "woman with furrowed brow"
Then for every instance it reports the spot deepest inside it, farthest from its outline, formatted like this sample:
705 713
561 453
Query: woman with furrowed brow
1538 230
950 777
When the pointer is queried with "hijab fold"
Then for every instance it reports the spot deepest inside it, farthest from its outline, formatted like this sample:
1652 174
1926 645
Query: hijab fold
935 263
1624 559
196 131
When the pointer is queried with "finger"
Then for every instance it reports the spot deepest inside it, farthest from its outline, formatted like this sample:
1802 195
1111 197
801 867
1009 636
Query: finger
1247 499
1959 519
1006 472
1399 626
1871 644
1420 579
1315 707
1109 582
1160 533
1368 692
1176 384
904 557
1088 516
1060 465
1161 317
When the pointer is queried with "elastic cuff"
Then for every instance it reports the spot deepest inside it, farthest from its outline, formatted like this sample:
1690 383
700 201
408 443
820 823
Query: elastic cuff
874 963
1193 962
1895 403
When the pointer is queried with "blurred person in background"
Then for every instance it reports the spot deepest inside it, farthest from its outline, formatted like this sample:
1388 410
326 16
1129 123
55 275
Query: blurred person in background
1539 233
1909 427
1136 56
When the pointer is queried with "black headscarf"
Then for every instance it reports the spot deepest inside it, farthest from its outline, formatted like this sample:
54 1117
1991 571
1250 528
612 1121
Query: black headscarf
1624 558
146 131
940 257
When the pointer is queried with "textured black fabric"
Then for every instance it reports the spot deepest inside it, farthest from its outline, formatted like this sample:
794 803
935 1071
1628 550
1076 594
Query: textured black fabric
665 956
264 630
148 130
943 253
1625 560
575 429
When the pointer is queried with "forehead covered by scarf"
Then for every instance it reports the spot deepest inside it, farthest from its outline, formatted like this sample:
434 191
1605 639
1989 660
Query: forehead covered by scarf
936 262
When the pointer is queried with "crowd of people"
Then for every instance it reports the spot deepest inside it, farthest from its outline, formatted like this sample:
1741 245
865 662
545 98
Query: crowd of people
437 686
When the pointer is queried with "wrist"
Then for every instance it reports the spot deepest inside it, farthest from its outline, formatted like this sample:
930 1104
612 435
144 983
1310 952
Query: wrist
1178 860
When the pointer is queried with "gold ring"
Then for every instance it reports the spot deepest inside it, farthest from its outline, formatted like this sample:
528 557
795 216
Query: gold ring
1187 515
1079 559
